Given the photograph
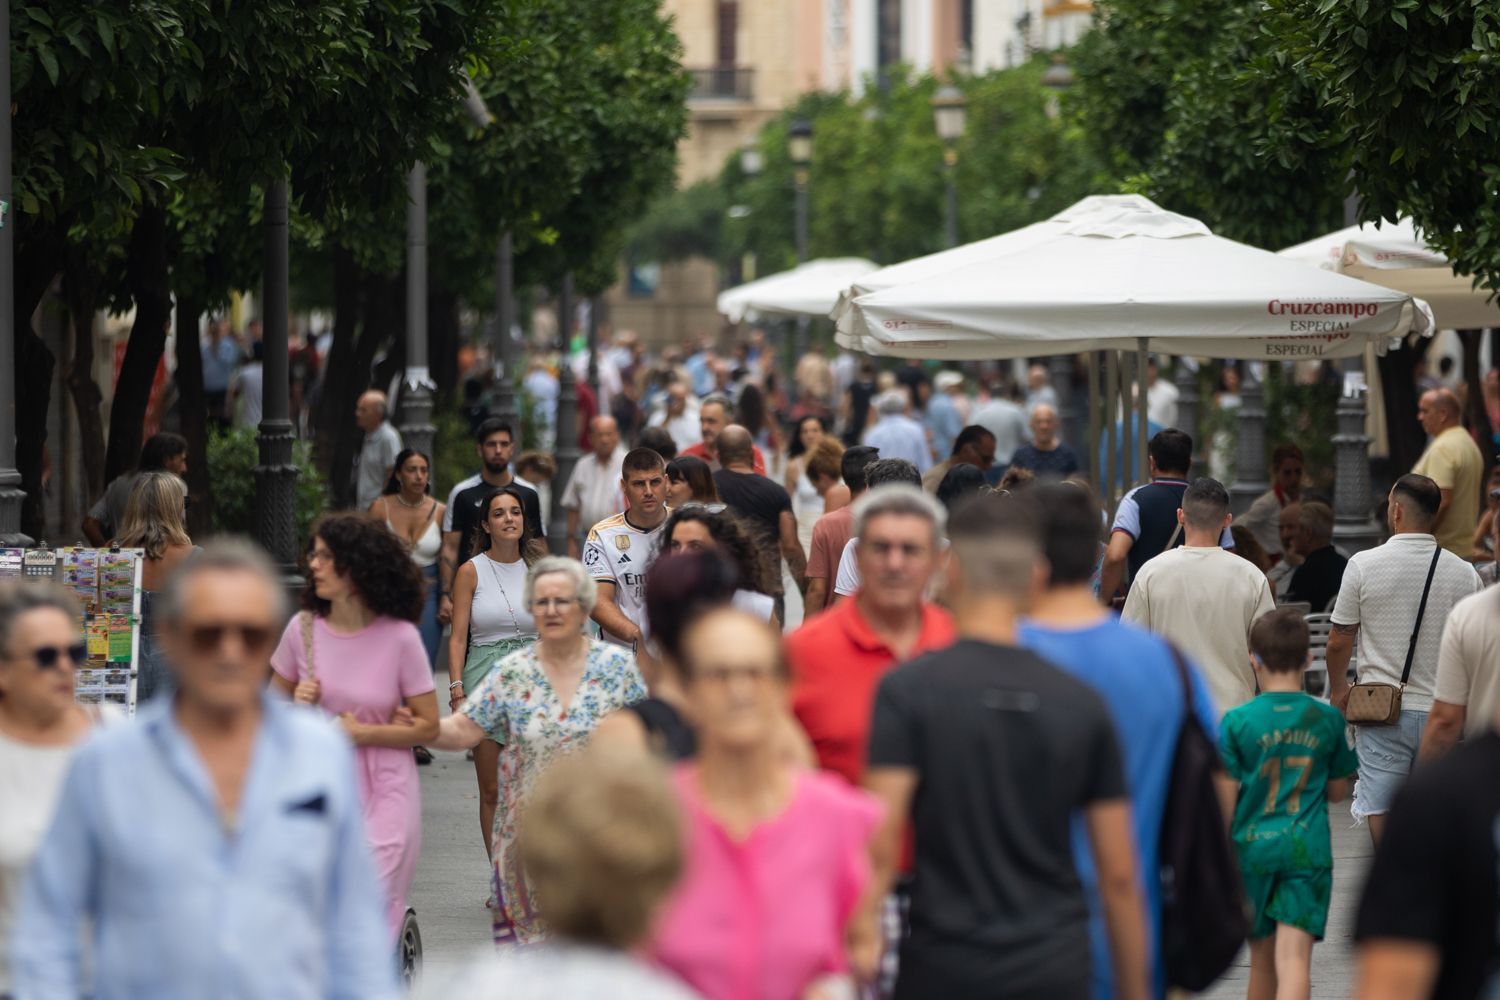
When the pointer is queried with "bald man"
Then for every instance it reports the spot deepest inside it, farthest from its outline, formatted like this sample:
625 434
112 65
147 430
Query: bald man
593 491
1455 463
377 455
762 502
1046 455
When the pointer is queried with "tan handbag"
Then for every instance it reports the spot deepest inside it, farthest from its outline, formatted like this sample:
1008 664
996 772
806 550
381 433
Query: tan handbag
1378 704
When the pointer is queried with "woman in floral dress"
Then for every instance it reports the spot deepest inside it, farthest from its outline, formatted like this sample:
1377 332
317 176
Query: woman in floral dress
539 703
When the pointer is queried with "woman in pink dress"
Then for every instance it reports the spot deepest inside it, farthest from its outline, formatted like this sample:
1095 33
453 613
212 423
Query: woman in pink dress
778 862
367 660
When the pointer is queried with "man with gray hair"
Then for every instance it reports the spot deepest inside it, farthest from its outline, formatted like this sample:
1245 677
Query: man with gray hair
896 434
1317 580
1204 598
378 451
222 829
882 472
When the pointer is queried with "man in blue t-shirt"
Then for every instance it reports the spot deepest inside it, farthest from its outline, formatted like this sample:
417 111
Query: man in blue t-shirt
1136 675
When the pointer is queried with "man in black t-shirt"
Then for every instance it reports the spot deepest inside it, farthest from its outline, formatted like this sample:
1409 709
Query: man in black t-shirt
1430 916
990 752
762 502
466 514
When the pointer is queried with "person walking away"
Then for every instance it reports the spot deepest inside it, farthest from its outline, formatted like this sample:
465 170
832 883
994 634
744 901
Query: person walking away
1005 419
592 493
41 651
947 410
973 446
763 504
715 414
221 356
831 531
1288 753
620 547
161 452
1317 580
415 517
897 435
1146 522
1286 489
602 839
495 442
490 621
355 652
1007 750
154 524
1466 695
1046 455
539 703
218 831
1161 396
1202 598
760 831
247 389
1399 620
1455 463
377 454
1130 669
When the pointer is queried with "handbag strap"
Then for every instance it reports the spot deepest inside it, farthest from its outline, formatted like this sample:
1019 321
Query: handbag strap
1172 541
1411 649
305 619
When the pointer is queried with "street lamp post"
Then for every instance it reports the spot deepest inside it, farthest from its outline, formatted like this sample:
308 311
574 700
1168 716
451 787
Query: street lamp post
11 494
567 416
950 112
417 386
1250 462
276 474
1354 530
505 319
799 147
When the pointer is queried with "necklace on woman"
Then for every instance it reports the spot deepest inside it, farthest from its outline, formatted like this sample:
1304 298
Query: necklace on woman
515 622
408 504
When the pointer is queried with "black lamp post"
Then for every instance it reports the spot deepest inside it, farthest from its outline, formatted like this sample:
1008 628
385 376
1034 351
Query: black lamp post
799 148
950 113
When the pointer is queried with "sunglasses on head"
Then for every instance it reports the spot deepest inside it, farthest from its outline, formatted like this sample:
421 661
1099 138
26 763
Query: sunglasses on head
46 657
209 636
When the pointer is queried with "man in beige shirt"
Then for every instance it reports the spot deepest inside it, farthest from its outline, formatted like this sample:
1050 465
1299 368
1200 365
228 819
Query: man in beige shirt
1455 463
1466 698
1203 598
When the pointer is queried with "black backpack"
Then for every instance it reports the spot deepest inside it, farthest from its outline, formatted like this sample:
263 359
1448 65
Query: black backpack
1203 917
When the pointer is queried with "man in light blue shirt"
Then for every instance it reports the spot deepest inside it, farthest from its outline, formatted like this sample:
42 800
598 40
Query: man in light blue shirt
214 847
896 434
944 420
221 357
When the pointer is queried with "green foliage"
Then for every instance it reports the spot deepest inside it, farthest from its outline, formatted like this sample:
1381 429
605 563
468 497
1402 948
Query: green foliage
454 456
232 457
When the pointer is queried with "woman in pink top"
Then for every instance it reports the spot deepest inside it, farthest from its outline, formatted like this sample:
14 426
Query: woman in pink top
777 856
367 661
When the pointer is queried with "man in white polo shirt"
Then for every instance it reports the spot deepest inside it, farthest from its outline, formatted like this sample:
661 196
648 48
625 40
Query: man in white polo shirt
1379 600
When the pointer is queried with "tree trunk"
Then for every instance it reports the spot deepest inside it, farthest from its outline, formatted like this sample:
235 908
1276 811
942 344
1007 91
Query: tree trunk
150 287
442 344
1476 414
81 293
192 405
1398 388
381 315
347 296
38 258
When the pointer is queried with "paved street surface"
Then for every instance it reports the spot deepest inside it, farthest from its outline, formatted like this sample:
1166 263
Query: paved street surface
452 883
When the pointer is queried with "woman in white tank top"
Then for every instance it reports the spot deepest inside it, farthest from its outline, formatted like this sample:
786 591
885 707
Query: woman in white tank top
416 519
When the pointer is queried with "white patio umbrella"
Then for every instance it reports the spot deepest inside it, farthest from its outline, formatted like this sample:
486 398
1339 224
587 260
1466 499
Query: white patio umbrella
1395 255
809 289
1126 274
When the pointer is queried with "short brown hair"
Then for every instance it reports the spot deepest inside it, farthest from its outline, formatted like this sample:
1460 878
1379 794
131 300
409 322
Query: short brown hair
826 458
1279 640
601 840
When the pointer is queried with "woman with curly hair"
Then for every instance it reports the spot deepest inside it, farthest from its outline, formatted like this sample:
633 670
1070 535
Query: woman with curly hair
696 528
491 620
354 650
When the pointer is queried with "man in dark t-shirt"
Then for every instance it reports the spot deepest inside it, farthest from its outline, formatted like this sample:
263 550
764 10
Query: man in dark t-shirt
989 752
1430 916
763 503
466 514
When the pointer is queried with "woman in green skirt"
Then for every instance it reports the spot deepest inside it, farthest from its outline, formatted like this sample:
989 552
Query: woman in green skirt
491 619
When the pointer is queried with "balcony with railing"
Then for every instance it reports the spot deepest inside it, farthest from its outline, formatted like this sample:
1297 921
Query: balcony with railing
722 83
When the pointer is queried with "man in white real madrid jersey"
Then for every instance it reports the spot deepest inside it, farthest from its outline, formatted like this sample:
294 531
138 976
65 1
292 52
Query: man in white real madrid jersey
619 548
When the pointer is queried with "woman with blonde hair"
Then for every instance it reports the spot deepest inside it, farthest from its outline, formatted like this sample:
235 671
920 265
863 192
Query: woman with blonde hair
155 522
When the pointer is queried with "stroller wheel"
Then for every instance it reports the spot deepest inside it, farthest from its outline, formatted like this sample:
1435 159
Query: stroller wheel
409 949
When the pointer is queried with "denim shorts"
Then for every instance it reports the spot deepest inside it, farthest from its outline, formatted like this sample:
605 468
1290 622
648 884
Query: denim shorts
1386 756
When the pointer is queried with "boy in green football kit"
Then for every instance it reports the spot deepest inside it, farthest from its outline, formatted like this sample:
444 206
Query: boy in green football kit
1289 754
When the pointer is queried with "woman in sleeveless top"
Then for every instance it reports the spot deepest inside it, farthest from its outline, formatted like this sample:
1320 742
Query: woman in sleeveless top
491 619
416 519
813 476
153 522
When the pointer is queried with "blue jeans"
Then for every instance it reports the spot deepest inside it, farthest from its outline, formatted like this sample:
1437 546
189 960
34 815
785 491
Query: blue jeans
432 632
1386 756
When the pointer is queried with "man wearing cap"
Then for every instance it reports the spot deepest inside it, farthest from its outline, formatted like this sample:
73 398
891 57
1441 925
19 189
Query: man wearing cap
946 411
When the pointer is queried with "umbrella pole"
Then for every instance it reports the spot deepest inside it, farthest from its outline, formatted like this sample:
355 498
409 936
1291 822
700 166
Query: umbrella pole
1144 415
1111 431
1127 423
1092 442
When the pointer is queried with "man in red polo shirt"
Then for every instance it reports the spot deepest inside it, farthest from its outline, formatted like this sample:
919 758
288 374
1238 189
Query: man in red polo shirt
838 658
714 415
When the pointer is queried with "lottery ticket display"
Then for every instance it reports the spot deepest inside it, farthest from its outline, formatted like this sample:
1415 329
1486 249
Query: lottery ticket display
107 583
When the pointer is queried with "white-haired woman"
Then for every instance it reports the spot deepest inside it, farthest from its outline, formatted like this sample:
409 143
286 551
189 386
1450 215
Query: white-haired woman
538 703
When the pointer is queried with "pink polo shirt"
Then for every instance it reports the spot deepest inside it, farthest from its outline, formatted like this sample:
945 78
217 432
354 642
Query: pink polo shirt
762 918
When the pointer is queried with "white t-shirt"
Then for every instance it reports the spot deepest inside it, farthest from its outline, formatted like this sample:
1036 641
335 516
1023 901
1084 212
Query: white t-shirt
31 779
846 581
618 552
1204 601
556 971
1380 593
1468 670
499 611
249 385
594 488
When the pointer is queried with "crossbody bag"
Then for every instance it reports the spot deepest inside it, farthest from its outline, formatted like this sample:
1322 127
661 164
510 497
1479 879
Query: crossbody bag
1374 703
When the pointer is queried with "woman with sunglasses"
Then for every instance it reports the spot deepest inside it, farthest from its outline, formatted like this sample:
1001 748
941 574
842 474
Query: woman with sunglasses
40 726
354 650
539 703
690 480
490 621
154 522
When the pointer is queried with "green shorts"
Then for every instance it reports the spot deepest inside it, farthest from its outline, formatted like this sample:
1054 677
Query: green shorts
1298 899
481 659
